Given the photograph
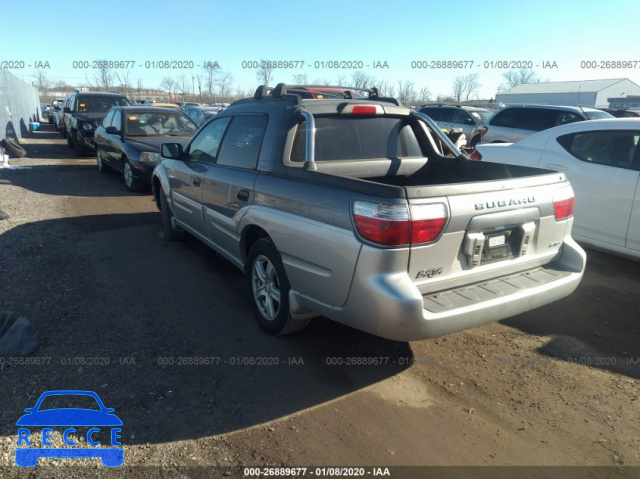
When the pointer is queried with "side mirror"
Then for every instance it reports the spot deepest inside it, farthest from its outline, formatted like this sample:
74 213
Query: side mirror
468 121
67 109
173 151
112 130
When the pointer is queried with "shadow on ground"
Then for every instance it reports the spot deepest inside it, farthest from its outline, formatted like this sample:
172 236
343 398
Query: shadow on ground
163 332
599 324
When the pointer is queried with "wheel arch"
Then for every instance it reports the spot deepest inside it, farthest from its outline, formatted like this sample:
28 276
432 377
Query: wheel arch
251 234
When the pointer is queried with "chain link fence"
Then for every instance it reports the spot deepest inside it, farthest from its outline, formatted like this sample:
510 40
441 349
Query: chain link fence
19 105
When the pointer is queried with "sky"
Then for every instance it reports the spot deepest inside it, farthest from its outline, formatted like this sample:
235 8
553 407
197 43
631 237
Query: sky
389 40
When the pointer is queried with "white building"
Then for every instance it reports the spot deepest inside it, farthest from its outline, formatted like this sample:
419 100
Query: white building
587 93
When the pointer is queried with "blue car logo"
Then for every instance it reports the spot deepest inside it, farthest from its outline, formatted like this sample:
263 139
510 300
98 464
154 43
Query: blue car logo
69 417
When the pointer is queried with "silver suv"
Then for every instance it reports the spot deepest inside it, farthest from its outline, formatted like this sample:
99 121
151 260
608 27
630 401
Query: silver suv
470 119
515 122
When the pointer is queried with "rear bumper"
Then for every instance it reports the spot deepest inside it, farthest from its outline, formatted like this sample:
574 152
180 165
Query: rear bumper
390 305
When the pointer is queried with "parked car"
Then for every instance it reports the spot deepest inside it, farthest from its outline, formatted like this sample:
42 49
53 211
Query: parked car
361 210
162 105
468 118
56 106
188 104
58 115
129 140
515 122
200 114
45 110
622 113
83 115
601 159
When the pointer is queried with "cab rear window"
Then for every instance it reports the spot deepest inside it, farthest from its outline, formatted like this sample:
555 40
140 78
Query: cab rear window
358 138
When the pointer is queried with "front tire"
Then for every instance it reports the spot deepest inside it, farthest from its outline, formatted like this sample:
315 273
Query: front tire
78 145
130 181
269 289
168 232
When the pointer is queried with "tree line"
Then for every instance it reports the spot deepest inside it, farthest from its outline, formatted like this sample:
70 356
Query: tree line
213 84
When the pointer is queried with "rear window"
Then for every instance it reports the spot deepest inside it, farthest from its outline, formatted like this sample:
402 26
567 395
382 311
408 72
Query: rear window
358 138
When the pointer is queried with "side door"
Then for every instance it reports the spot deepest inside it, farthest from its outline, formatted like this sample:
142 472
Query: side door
229 184
532 120
101 138
112 147
599 167
442 117
186 177
633 233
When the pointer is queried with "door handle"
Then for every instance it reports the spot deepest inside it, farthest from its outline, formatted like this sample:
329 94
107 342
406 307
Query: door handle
196 181
556 167
243 195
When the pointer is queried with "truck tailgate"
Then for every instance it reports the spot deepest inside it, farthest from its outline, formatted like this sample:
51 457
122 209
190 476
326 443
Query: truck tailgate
494 228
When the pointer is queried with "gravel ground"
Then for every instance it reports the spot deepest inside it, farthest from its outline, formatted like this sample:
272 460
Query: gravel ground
164 334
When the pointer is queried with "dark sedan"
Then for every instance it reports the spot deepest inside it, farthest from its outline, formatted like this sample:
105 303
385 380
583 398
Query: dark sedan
129 140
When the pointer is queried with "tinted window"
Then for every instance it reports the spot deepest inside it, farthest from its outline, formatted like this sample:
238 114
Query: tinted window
358 138
535 119
205 145
241 145
610 147
437 114
99 103
538 119
462 116
511 117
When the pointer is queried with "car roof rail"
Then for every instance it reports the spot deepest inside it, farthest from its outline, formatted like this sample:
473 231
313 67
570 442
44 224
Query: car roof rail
374 95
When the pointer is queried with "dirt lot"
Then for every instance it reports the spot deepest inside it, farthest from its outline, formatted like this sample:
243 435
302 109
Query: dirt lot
124 313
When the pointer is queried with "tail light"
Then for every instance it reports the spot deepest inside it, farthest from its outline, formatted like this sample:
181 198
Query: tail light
563 204
484 130
475 155
396 225
362 110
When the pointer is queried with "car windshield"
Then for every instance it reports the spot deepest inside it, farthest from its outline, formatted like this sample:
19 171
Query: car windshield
481 115
66 401
597 115
99 103
157 124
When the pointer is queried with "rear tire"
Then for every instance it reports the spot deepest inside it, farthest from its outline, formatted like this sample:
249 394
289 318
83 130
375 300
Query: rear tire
102 167
269 288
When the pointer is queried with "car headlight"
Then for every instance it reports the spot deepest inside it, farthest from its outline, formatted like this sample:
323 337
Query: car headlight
149 157
87 126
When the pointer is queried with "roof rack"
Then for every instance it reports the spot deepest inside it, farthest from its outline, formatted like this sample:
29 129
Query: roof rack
281 90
